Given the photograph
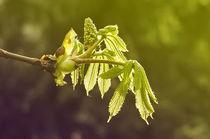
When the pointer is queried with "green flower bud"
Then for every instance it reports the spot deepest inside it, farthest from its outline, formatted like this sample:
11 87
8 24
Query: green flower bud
90 32
67 66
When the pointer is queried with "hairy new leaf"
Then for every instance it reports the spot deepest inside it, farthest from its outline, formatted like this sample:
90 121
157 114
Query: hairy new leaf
137 76
75 77
112 73
119 95
118 42
145 81
140 106
82 72
142 89
91 77
108 30
103 84
118 98
147 102
111 45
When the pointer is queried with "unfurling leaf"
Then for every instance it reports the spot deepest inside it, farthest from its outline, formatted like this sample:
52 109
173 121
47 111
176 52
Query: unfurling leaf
140 70
142 89
118 42
77 50
112 73
82 72
118 98
119 95
111 46
109 30
137 76
103 84
80 50
91 77
146 100
75 77
109 52
140 106
127 69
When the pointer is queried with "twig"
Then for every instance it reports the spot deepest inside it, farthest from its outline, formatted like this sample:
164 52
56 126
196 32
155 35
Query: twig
9 55
48 65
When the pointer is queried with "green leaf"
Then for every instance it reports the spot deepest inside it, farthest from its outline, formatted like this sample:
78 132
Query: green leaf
109 52
128 68
108 30
137 76
118 42
82 72
143 103
91 77
77 49
140 106
75 77
112 73
131 87
104 84
147 85
118 98
73 50
80 48
111 45
146 100
119 95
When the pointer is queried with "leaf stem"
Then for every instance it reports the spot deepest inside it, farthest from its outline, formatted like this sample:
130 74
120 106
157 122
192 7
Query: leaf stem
89 51
90 60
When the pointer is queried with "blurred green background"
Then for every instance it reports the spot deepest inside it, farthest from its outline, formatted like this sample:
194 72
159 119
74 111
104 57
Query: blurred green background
169 38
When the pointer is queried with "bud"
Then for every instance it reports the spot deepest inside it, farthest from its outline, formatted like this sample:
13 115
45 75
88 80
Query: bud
67 66
90 32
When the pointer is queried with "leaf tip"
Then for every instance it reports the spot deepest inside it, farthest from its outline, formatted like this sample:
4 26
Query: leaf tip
87 92
74 87
151 116
110 117
145 119
156 101
102 96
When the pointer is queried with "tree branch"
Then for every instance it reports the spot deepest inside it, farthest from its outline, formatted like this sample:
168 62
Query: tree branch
9 55
48 65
